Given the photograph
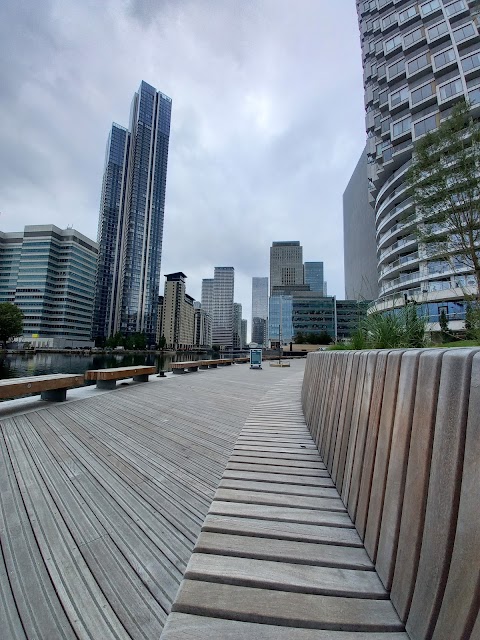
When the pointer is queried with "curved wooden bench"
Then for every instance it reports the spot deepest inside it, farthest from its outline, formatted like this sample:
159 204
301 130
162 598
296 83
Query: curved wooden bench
107 378
51 387
399 431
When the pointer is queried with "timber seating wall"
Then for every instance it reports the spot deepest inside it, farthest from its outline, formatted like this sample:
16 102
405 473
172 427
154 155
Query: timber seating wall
107 378
399 431
51 387
194 365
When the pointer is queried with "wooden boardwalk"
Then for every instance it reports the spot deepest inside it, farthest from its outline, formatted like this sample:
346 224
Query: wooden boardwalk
102 500
278 557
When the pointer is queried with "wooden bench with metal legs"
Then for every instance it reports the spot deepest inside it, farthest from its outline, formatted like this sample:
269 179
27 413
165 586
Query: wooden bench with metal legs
107 378
51 387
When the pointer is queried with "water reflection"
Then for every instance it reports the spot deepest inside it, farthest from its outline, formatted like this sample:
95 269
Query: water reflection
15 365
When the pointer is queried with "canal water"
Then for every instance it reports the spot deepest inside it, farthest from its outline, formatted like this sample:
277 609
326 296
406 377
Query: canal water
14 365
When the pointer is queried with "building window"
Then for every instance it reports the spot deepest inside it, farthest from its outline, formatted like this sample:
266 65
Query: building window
393 43
429 7
444 58
474 96
399 96
396 69
412 37
402 126
418 63
404 15
467 31
471 62
425 125
437 30
422 93
389 20
455 7
450 89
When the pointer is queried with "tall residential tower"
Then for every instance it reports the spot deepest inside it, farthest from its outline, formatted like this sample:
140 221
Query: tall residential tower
130 229
419 58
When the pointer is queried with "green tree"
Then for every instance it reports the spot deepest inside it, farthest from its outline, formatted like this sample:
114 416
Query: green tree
443 182
299 338
162 342
11 321
444 326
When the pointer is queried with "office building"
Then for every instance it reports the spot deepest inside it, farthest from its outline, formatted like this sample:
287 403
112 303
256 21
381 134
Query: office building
286 264
280 316
202 327
207 295
160 320
359 243
313 276
237 325
259 310
349 314
130 229
419 59
49 273
217 301
178 313
244 334
313 313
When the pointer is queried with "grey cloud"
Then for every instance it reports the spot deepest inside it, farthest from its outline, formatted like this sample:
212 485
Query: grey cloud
267 121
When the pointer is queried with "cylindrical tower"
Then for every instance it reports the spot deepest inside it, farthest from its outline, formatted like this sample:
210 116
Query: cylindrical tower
419 58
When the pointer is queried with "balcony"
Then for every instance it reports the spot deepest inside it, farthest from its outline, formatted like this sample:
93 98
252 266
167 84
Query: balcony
409 241
399 264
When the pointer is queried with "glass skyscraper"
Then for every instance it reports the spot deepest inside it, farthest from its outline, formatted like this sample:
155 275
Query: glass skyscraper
130 230
259 310
419 58
313 276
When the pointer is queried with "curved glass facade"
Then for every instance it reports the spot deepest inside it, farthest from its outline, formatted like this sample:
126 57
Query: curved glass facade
419 58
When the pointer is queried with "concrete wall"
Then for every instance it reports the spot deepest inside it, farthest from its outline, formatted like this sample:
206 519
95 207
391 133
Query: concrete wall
359 243
399 431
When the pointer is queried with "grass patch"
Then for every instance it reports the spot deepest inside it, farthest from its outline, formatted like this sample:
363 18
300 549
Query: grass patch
459 343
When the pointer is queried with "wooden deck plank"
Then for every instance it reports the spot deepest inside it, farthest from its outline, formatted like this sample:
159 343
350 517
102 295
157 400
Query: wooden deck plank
106 497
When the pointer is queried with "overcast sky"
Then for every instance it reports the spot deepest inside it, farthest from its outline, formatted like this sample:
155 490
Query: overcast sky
267 121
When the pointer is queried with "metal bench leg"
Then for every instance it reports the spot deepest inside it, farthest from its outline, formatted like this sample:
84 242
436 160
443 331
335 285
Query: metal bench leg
54 395
204 366
106 385
192 369
213 366
141 378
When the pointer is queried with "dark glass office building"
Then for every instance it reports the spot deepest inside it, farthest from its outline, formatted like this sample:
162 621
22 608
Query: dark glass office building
130 227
